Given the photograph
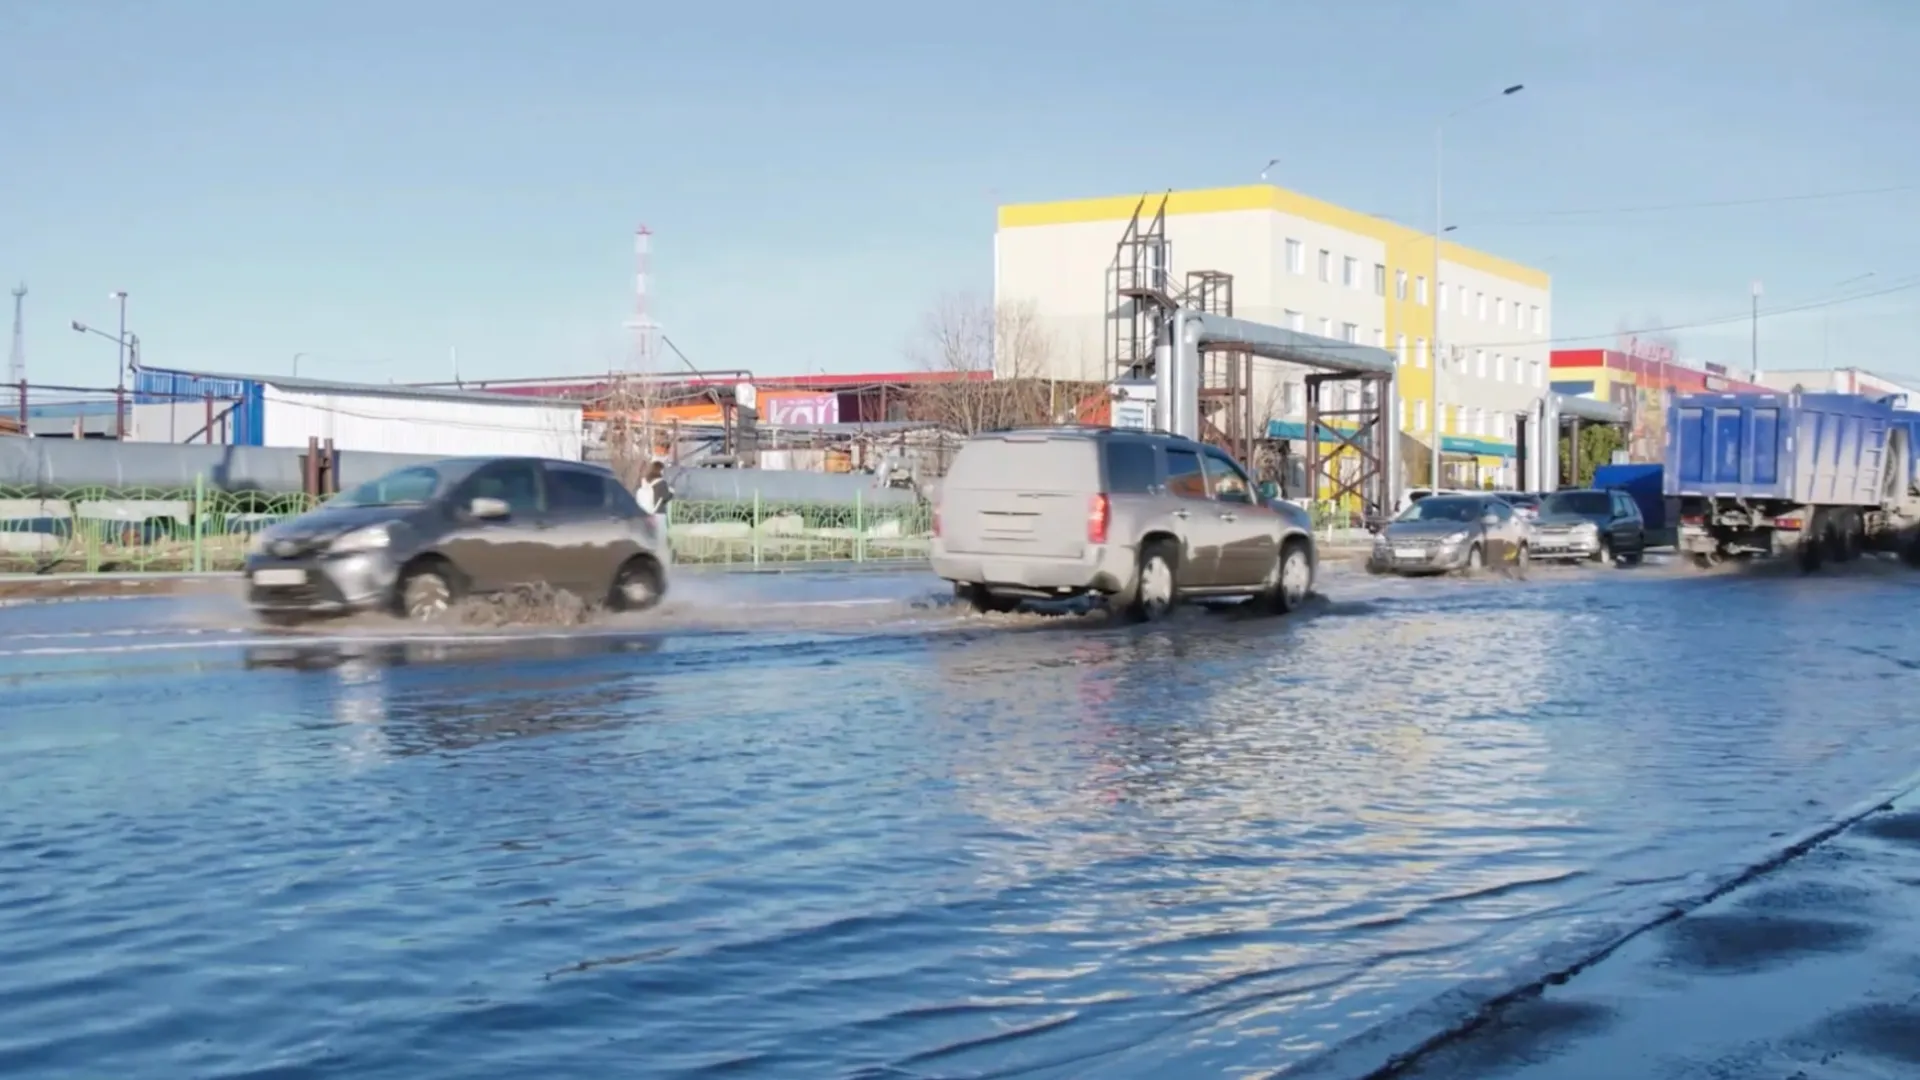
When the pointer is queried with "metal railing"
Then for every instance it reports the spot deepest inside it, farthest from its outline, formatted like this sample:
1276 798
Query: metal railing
103 530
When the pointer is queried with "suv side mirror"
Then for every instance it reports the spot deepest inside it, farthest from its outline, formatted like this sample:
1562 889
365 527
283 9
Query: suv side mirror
488 509
1269 490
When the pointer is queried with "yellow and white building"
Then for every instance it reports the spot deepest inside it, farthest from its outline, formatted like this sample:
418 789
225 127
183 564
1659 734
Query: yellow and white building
1313 267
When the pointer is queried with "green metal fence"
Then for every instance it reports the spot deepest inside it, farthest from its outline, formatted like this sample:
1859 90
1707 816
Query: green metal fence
102 530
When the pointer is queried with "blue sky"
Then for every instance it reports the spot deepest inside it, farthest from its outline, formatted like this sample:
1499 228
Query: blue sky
375 184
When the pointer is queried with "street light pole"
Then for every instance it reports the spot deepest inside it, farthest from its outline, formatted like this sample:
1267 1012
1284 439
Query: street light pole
1439 177
296 363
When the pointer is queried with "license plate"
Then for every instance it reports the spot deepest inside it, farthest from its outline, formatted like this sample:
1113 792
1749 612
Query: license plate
274 579
1409 553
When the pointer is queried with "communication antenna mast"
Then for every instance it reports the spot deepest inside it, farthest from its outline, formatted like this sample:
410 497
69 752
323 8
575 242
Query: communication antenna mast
17 355
640 358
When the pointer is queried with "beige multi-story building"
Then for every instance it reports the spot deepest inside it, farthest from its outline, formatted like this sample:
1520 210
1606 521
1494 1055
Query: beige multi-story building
1312 267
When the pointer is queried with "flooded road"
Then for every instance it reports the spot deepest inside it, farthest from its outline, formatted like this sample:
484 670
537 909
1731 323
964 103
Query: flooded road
827 826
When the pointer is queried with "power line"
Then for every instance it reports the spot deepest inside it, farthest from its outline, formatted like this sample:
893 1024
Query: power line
1706 204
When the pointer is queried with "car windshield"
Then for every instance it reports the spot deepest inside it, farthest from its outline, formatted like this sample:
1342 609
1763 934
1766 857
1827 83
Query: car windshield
1584 503
403 487
1442 508
1517 499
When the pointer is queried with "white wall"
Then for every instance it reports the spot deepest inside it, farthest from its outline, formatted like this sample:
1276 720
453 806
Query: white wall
420 425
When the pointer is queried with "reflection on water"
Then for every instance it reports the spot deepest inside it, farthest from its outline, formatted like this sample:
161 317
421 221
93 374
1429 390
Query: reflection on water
1215 847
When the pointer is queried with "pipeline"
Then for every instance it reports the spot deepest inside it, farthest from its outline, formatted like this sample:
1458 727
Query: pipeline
49 467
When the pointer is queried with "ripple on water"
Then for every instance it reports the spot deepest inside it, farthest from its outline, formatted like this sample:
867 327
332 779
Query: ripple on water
961 847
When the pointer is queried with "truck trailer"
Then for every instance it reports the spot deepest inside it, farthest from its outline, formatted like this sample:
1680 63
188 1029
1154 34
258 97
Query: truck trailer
1812 476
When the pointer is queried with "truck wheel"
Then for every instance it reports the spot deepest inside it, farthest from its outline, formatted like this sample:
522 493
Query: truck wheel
1849 532
1814 543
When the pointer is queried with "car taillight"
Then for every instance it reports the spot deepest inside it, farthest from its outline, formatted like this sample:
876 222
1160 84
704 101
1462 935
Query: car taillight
1693 519
1098 515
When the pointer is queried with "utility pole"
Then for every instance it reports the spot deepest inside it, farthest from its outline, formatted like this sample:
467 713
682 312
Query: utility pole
17 355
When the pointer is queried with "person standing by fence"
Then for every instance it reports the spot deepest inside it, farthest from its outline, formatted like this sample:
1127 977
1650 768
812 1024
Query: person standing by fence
654 492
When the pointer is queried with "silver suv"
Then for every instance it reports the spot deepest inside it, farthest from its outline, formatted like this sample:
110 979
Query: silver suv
1142 519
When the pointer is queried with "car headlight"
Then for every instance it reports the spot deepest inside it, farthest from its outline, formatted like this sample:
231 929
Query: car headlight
1587 528
1456 538
369 538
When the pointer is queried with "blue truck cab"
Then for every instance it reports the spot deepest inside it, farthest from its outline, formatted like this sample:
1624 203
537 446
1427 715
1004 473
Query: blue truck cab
1816 475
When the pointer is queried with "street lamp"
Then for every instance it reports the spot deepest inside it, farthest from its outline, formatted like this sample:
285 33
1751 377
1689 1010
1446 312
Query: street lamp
126 345
1439 174
296 363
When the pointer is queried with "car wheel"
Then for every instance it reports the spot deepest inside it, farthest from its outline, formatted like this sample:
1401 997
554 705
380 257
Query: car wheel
1156 584
640 584
1292 578
1476 561
426 592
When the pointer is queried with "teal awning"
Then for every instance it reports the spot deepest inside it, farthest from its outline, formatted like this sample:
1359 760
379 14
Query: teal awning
1295 429
1461 444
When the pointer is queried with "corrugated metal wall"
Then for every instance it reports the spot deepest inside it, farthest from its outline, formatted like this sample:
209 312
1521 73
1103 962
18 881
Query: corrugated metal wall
396 424
160 387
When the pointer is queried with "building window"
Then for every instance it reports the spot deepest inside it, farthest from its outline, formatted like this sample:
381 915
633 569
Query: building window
1350 333
1419 352
1379 280
1350 272
1480 306
1296 257
1296 322
1400 346
1443 295
1464 309
1379 338
1406 412
1420 290
1419 416
1326 328
1326 266
1499 368
1538 367
1291 397
1499 311
1480 363
1539 323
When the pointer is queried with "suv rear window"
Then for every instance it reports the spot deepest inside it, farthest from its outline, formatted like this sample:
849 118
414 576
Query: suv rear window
1131 469
1025 463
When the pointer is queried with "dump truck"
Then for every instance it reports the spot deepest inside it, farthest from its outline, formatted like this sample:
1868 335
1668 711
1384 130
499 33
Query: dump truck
1813 476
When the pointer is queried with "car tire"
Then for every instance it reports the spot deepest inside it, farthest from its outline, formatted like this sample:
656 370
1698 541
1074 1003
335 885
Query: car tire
1476 561
640 585
1604 556
426 591
1156 584
982 601
1292 578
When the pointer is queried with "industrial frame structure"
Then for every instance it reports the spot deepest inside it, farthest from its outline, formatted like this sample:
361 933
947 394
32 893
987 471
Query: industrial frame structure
1184 337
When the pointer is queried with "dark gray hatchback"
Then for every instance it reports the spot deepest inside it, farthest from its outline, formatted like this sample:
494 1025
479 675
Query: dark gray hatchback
419 538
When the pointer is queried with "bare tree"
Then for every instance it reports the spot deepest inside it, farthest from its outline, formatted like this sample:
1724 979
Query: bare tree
996 360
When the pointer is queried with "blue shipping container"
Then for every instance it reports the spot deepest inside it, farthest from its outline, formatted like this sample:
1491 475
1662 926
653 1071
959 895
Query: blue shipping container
1808 449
